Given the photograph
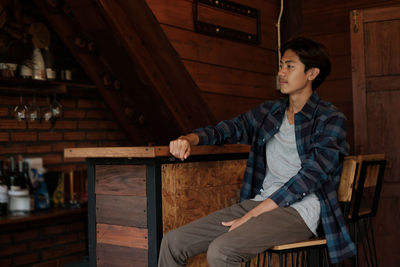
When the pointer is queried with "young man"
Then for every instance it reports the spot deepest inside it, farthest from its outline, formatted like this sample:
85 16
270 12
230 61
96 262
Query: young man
293 170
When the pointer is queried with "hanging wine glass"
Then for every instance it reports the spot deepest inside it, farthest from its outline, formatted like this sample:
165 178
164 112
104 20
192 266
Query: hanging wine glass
47 113
20 110
33 113
56 108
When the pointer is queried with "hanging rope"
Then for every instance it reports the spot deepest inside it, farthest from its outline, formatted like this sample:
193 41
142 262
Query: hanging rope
278 30
278 26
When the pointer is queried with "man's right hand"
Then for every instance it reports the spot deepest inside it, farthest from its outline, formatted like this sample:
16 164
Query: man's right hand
181 147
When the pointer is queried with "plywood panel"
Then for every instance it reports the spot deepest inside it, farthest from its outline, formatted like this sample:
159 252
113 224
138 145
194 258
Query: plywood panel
197 203
203 174
193 190
122 180
122 236
122 210
117 256
227 81
191 204
202 48
198 261
382 39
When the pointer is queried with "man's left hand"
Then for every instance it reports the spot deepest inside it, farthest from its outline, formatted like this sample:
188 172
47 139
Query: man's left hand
265 206
236 223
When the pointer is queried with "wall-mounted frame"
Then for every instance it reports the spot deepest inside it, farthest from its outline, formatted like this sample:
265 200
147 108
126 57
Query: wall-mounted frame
225 6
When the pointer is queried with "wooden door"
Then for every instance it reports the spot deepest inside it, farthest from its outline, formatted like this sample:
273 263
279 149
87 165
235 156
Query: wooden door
375 55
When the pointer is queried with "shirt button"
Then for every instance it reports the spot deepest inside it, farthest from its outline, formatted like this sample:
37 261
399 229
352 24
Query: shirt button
287 204
263 140
304 194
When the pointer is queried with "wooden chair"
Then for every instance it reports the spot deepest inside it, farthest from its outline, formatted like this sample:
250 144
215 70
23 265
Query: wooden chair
359 172
364 203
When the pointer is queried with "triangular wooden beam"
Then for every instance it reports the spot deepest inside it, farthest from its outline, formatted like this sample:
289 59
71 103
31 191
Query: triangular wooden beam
135 68
150 48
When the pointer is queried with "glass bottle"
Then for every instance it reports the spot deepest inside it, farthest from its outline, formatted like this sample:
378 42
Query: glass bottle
14 186
26 176
21 181
28 183
25 70
38 72
3 191
49 63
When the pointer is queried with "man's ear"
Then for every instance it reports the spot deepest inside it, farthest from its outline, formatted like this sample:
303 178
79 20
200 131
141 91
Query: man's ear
313 73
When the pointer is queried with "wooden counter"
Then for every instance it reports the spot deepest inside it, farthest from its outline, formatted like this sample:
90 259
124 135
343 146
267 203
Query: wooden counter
137 193
149 152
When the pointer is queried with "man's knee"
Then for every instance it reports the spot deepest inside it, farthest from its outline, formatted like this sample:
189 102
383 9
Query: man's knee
214 253
174 243
222 251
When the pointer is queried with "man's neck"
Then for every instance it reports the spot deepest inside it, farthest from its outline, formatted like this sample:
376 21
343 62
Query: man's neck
297 101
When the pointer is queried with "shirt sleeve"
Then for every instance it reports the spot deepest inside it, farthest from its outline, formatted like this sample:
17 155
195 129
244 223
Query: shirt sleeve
238 130
322 159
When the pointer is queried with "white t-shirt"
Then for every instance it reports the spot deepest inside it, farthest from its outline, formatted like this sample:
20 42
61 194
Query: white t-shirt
283 162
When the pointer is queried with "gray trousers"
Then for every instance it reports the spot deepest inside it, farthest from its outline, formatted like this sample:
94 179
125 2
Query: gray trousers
207 234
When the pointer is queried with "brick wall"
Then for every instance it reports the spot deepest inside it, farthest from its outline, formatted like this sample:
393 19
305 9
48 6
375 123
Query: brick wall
86 123
49 242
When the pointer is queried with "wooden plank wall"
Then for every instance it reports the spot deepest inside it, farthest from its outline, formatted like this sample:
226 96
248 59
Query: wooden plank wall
328 22
233 76
121 215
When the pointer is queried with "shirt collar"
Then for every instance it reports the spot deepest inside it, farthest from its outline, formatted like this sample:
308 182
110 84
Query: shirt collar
310 106
307 110
280 106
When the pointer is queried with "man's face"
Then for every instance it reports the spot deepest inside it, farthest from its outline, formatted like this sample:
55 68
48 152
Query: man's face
292 78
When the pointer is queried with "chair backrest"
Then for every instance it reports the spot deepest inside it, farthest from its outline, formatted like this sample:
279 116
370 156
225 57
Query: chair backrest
360 185
347 178
367 186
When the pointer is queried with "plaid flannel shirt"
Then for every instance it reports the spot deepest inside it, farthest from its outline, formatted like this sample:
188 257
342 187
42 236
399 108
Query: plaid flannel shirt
321 143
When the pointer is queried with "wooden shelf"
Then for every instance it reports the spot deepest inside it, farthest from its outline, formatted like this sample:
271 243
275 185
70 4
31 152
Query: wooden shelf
43 215
38 86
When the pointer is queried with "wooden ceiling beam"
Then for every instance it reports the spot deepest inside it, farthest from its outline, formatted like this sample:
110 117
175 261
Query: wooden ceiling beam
94 67
136 105
150 49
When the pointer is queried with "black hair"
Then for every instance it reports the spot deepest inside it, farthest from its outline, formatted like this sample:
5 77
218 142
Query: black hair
312 55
